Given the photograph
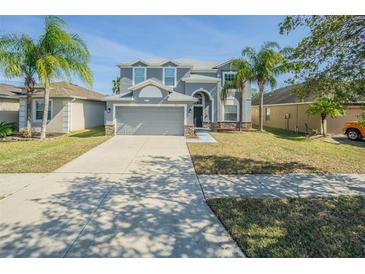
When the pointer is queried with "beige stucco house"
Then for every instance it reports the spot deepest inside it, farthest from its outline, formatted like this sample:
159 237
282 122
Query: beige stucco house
71 108
284 109
9 103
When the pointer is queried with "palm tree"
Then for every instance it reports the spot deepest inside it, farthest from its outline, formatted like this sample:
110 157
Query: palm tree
57 54
61 55
325 107
262 66
239 82
18 55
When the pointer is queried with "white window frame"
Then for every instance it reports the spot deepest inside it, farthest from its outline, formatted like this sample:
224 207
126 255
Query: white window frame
175 75
225 73
236 103
145 73
34 114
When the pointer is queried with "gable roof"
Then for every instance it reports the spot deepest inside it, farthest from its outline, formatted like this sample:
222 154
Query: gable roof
194 64
126 96
152 62
9 91
224 63
282 95
150 82
68 90
178 97
196 78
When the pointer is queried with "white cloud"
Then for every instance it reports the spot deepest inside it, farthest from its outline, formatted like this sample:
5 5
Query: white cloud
108 50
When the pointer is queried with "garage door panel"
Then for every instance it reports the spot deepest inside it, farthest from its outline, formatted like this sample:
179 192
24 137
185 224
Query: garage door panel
150 120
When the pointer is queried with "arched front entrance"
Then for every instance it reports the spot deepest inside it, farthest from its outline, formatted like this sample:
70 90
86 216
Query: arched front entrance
203 108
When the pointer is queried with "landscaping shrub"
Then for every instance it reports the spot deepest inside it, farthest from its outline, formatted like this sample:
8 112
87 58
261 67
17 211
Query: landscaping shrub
7 129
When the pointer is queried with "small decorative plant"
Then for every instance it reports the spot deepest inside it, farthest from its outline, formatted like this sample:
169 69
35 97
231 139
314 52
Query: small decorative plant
27 133
7 129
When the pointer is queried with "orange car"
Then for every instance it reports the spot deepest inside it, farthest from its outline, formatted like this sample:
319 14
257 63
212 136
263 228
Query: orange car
354 131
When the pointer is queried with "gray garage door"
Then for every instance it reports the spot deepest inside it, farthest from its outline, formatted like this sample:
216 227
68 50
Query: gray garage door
150 120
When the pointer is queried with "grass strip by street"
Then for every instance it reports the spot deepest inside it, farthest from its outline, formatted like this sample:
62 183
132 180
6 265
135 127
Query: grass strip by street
46 156
295 227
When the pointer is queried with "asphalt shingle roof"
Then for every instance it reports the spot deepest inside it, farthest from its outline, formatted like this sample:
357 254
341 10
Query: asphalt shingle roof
9 91
69 90
282 95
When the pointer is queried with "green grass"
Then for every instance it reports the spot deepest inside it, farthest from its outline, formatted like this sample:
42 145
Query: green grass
274 151
46 156
295 227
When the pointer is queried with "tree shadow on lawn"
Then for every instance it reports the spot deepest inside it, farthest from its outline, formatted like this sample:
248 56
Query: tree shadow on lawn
93 132
284 134
216 164
155 212
295 227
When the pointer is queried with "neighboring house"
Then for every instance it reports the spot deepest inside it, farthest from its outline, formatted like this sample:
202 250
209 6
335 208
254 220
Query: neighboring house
284 109
172 97
9 103
71 107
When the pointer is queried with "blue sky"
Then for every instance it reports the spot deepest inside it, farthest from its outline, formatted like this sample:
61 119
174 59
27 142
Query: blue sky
114 39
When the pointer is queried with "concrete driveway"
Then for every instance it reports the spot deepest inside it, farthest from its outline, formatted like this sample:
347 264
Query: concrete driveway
133 196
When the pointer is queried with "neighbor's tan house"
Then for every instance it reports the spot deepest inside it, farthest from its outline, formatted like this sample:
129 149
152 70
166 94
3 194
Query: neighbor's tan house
9 103
71 107
283 109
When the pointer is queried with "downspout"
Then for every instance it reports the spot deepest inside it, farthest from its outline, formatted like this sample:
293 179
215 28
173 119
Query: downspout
70 117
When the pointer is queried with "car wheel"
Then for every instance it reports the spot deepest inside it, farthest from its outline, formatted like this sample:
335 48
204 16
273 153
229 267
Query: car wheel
353 134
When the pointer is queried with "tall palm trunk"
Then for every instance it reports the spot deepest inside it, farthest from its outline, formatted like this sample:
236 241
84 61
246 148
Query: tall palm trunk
261 108
240 110
45 112
241 90
324 125
29 88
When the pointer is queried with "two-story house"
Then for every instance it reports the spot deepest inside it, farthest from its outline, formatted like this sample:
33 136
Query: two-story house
172 97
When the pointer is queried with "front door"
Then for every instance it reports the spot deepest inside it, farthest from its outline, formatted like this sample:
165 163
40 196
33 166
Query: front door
198 116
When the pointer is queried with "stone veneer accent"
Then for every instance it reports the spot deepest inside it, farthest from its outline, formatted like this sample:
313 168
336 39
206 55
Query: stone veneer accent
207 124
109 130
225 125
230 125
189 131
246 125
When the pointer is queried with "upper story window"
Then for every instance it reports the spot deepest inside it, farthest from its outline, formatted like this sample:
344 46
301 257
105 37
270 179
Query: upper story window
169 76
139 75
228 76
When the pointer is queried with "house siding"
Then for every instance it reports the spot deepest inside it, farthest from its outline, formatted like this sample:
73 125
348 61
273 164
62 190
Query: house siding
155 73
86 114
126 80
67 115
299 117
9 110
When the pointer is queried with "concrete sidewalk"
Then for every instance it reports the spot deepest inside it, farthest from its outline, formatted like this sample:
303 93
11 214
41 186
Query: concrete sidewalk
132 196
285 185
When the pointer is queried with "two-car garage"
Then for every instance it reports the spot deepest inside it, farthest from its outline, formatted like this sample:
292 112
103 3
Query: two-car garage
149 120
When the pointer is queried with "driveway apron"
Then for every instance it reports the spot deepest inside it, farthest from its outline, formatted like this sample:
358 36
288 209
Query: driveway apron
132 196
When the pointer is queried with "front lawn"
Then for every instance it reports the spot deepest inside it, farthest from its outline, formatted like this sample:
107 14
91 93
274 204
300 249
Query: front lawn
295 227
274 151
48 155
